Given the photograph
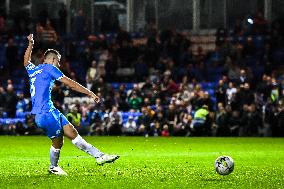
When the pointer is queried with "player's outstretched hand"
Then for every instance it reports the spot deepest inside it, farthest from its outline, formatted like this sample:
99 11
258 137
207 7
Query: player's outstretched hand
95 97
31 38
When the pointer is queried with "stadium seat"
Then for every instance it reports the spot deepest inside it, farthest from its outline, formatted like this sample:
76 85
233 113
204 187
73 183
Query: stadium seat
21 114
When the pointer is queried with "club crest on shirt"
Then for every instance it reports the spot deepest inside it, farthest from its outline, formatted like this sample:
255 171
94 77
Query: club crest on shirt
58 132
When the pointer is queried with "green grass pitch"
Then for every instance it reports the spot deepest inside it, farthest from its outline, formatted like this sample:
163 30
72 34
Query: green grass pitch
144 163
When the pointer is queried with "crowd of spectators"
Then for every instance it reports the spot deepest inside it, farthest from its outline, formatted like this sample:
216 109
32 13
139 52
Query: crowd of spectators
158 85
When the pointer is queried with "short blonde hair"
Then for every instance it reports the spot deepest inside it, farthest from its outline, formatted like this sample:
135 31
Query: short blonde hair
49 52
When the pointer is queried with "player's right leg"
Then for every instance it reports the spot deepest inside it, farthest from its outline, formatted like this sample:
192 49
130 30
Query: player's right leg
55 148
50 122
79 142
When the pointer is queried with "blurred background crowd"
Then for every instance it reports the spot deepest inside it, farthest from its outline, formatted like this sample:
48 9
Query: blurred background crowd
155 82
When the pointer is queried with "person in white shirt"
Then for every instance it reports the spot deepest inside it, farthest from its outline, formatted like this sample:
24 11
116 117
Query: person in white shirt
130 127
230 92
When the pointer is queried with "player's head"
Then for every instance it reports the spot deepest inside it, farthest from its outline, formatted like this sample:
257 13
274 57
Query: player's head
52 56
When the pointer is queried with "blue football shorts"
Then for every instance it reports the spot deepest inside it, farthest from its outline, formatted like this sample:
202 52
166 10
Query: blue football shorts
52 123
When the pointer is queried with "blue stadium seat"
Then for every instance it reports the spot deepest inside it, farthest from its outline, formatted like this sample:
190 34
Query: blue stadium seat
129 86
5 115
21 114
115 85
126 115
7 121
211 92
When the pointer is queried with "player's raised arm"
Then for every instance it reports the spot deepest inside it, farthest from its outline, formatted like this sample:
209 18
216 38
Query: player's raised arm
28 53
79 88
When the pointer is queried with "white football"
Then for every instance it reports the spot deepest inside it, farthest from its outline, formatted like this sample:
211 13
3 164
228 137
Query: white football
224 165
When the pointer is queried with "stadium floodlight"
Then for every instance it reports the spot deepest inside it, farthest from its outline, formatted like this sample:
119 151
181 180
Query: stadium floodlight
250 21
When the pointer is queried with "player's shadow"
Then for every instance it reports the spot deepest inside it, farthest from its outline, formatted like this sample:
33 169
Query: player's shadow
216 180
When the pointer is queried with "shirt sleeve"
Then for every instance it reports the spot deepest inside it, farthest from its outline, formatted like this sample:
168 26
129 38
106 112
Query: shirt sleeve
55 73
30 67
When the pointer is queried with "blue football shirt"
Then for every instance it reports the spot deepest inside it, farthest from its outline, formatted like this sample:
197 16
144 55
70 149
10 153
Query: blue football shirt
42 79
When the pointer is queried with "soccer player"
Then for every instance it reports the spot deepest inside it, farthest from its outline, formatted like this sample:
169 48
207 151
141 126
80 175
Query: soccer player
47 117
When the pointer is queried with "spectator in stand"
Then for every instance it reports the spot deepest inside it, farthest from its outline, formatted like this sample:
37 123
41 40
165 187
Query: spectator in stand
101 72
248 95
157 104
92 72
12 55
144 122
275 93
220 92
244 120
184 93
206 99
230 92
104 128
30 126
99 86
22 104
147 88
122 92
165 131
74 116
122 104
158 122
11 101
172 118
243 78
84 109
98 122
254 123
147 102
222 121
116 122
130 127
10 129
135 102
48 36
264 87
201 122
183 126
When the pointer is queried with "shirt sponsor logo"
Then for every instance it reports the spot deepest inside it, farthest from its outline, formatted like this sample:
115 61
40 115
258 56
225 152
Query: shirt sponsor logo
35 73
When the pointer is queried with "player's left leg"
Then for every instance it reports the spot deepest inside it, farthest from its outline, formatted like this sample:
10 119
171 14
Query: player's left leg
79 142
71 133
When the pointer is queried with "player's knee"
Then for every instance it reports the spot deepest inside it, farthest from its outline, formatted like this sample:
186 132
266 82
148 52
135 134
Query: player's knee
70 131
57 145
61 144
